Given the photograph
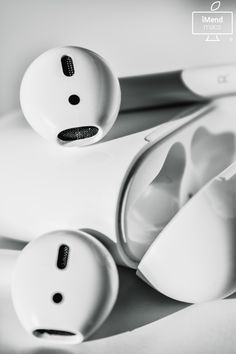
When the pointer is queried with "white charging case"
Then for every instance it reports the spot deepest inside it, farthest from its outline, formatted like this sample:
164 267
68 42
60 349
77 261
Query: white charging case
193 258
122 191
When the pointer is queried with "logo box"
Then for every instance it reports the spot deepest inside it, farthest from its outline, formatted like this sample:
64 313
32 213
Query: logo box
212 23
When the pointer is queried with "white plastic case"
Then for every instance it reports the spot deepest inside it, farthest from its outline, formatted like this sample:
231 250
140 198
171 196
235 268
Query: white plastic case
193 258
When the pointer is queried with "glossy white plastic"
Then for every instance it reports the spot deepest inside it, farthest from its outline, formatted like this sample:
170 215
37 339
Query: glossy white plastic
212 81
64 285
193 258
84 99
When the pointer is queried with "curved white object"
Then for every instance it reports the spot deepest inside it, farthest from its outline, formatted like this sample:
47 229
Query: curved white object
193 258
212 81
69 95
64 285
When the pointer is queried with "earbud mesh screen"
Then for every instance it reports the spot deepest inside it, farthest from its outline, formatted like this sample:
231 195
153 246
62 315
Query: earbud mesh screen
67 65
40 332
77 133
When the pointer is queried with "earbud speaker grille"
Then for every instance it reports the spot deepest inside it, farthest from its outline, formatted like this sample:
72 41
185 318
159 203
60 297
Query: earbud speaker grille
77 133
67 65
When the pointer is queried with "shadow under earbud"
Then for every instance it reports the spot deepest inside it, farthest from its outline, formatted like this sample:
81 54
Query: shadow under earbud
48 351
137 305
128 123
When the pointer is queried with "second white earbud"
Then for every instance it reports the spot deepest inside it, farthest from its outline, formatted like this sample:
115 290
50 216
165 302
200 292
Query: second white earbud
64 285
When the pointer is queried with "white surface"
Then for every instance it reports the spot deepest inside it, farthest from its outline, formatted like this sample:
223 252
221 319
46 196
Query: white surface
63 188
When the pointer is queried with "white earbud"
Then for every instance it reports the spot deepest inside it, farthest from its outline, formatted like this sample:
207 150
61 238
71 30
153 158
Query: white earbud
64 285
70 95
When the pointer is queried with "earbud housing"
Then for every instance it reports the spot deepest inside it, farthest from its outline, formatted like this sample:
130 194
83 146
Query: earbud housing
70 96
64 285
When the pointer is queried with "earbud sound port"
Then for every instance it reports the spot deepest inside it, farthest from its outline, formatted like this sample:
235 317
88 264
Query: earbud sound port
57 298
74 100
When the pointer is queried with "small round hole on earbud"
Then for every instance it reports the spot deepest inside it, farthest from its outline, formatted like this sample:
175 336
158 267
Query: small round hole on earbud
74 100
57 298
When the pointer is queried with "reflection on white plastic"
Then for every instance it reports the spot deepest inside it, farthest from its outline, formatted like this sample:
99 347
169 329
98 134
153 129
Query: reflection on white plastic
168 175
64 285
194 258
211 81
46 94
184 118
